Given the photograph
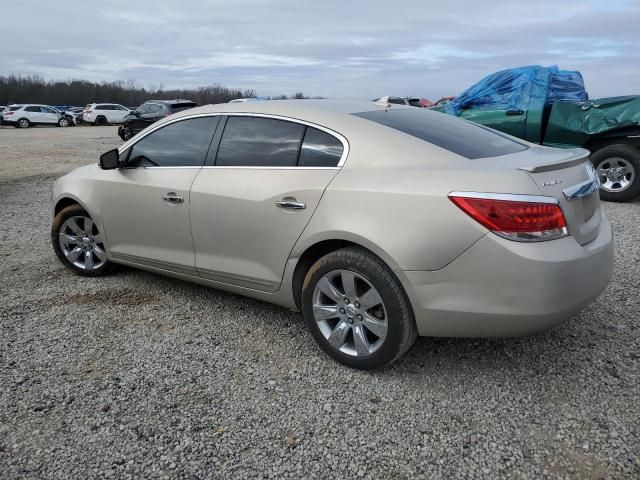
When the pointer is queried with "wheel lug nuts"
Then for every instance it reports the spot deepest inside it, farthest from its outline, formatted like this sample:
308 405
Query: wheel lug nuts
346 300
359 317
357 305
342 311
350 320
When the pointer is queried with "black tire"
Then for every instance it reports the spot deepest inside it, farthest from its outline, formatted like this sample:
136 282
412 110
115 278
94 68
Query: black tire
23 123
101 121
64 214
64 122
401 327
629 154
125 134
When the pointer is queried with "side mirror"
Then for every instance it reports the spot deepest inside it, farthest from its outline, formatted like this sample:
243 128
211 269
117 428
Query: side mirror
136 113
110 160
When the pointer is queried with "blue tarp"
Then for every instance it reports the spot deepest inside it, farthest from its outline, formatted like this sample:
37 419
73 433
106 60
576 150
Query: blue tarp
514 88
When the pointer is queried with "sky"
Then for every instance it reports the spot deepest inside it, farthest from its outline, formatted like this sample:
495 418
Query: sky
332 48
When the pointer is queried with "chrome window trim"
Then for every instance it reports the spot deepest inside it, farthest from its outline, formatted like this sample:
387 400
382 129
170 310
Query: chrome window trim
507 196
345 143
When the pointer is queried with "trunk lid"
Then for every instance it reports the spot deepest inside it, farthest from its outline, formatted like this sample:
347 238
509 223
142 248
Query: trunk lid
567 175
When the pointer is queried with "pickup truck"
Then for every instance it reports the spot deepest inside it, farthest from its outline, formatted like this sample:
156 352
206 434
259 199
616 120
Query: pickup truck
548 106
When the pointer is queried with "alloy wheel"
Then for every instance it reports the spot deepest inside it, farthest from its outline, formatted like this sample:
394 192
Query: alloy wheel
350 313
616 174
81 243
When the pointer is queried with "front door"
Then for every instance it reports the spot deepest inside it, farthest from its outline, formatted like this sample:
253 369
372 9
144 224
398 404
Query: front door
252 202
48 115
146 207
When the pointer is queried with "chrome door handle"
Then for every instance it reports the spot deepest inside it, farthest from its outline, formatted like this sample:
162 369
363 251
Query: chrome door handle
172 198
291 204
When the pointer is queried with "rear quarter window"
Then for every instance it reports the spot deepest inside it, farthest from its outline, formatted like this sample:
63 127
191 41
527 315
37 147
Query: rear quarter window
458 136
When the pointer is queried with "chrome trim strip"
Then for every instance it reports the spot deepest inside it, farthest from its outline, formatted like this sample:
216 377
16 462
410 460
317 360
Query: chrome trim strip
345 143
506 196
586 188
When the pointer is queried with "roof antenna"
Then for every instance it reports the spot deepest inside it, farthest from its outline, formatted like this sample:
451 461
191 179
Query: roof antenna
383 102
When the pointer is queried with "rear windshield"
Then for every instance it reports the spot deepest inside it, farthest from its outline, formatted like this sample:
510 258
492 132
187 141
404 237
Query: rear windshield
458 136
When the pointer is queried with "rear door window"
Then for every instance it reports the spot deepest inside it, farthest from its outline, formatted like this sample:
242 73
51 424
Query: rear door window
179 144
259 142
319 149
32 109
458 136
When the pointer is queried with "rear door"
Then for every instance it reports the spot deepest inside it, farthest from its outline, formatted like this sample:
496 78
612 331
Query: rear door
145 206
253 199
33 114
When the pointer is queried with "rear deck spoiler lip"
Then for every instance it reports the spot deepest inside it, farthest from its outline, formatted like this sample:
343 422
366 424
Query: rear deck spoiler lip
578 157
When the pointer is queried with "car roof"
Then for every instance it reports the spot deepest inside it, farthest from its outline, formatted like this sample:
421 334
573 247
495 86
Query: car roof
177 100
293 108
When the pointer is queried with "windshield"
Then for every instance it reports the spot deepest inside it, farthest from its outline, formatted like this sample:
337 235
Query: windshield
458 136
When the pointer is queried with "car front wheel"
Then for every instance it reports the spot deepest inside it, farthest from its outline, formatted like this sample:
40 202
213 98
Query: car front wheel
356 309
64 122
78 243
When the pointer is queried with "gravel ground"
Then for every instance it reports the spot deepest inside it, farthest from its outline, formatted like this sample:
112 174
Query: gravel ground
140 376
52 150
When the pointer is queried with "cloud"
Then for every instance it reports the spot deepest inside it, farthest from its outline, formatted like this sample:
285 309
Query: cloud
332 48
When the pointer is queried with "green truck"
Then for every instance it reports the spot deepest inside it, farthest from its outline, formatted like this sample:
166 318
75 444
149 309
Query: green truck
549 106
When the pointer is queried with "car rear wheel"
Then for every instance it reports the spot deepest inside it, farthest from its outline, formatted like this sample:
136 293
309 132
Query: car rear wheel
79 244
101 121
618 167
23 123
356 309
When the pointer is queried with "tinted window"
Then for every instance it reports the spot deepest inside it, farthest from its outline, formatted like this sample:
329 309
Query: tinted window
319 149
397 101
101 107
48 110
32 109
14 109
261 142
154 107
451 133
179 144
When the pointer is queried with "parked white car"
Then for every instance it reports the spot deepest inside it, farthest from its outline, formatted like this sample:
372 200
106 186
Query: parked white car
25 115
104 113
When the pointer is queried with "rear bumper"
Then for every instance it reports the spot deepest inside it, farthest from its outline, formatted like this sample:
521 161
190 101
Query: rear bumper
501 288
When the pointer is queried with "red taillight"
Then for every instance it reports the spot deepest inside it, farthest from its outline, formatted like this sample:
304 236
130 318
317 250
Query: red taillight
7 113
526 220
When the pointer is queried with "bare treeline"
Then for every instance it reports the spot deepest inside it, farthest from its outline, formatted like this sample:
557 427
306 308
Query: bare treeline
34 89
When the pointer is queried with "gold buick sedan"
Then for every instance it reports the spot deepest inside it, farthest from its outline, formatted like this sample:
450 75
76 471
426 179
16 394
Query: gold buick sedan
378 222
